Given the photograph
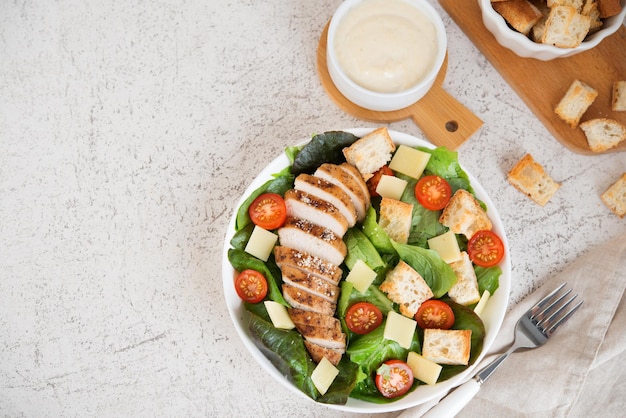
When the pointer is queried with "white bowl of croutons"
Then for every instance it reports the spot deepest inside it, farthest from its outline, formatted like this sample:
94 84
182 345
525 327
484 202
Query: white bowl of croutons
384 55
549 29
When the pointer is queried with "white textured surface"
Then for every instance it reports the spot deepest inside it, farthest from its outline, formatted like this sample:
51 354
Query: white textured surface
128 130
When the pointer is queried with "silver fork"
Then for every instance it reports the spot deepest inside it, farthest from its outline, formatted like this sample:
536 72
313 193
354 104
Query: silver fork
533 330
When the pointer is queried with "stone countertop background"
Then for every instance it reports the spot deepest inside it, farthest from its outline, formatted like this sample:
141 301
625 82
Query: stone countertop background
128 132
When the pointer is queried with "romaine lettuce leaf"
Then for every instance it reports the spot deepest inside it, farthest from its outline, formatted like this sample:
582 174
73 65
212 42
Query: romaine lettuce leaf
323 148
286 351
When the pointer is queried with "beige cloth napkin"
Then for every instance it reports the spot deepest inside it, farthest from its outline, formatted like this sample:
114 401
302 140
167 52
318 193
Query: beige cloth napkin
579 372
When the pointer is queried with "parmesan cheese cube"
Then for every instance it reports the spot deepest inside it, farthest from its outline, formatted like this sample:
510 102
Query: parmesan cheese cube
446 246
324 375
480 306
261 243
400 329
279 315
391 187
361 276
423 369
409 161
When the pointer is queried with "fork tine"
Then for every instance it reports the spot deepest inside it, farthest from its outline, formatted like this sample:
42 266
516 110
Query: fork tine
540 307
561 320
554 309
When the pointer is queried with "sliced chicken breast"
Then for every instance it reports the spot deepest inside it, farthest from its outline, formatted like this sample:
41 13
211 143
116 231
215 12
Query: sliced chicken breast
300 299
318 352
352 170
320 329
286 256
328 191
316 240
310 283
343 179
319 211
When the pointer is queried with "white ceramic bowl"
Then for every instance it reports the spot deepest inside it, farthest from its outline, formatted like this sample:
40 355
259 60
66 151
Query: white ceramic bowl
384 101
525 47
493 314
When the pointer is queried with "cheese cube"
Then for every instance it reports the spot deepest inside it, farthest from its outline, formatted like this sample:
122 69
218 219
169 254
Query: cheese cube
279 315
409 161
400 329
391 187
423 369
480 306
324 375
361 276
446 246
261 243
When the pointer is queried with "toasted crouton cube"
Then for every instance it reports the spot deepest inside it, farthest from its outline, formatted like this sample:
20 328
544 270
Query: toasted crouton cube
530 178
396 218
447 346
577 99
369 153
615 197
404 286
464 215
465 290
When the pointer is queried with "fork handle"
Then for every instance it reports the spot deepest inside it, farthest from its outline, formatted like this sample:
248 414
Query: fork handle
455 401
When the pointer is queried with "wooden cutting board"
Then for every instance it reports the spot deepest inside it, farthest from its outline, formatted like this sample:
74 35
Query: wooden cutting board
541 84
443 119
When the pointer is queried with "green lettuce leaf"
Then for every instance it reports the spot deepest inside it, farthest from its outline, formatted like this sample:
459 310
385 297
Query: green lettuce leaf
323 148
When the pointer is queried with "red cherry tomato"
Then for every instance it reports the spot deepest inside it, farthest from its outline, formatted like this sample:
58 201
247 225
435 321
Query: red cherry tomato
251 286
485 249
363 317
394 378
268 211
434 314
372 183
433 192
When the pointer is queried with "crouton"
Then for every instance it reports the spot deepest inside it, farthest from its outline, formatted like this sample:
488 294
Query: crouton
465 290
530 178
369 153
464 215
603 133
615 197
577 99
395 219
404 286
447 346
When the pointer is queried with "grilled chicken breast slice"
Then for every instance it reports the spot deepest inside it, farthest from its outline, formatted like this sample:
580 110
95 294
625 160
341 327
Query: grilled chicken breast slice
321 242
323 330
319 211
318 352
329 192
307 301
310 283
348 183
286 256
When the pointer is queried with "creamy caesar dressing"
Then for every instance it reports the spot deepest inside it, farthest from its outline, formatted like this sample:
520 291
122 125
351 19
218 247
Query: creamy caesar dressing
387 46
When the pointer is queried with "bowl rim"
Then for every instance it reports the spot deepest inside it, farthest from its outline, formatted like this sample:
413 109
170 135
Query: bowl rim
493 314
522 40
425 82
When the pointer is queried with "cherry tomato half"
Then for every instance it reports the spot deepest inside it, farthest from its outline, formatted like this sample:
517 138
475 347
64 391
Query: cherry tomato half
433 192
372 183
434 314
394 378
485 248
268 211
363 317
251 286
